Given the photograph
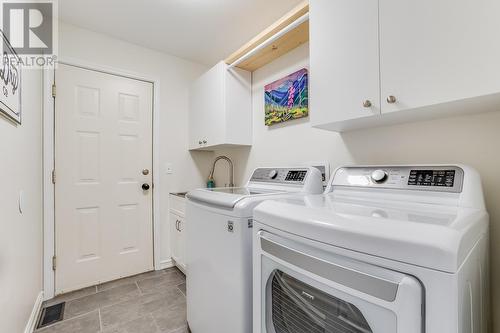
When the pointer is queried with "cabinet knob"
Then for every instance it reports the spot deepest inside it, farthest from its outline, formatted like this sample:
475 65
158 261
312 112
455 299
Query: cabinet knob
391 99
367 104
199 142
204 141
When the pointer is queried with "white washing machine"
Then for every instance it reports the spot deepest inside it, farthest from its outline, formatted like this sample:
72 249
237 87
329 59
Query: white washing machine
386 249
219 246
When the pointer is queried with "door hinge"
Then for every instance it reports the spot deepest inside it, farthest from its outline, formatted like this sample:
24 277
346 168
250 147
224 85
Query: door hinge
54 262
53 176
54 90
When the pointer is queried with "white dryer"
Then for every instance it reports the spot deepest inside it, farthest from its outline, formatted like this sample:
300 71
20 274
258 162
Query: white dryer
219 246
386 249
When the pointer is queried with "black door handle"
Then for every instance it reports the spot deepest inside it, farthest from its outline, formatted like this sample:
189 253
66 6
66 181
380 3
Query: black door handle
145 186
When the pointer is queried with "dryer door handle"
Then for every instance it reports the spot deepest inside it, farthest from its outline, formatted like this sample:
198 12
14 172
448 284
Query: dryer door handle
354 279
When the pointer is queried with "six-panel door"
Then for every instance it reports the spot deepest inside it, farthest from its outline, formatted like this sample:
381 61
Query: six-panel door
103 149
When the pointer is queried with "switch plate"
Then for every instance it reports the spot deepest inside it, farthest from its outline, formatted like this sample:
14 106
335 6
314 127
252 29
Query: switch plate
169 168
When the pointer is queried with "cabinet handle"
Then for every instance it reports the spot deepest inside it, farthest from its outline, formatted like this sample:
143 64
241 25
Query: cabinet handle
177 225
367 104
391 99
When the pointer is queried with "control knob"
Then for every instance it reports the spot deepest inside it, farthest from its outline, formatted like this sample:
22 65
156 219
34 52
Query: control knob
378 176
273 174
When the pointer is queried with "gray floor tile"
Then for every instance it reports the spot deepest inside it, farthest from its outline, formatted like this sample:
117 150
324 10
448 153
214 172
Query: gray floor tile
138 307
128 280
180 330
171 319
71 296
160 283
174 269
152 302
182 288
101 299
88 323
144 324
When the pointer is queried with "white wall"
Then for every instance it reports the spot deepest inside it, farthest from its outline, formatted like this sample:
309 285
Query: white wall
175 75
21 234
291 143
473 140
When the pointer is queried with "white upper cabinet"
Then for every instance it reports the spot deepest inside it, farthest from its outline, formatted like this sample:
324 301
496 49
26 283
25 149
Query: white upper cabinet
412 60
220 110
434 52
344 60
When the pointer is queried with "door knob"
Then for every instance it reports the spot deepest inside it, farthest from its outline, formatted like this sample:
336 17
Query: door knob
145 186
391 99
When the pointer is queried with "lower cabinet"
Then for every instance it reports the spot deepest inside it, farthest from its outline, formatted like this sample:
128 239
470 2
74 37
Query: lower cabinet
178 240
178 233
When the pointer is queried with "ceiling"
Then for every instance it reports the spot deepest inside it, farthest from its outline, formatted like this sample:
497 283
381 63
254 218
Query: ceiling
204 31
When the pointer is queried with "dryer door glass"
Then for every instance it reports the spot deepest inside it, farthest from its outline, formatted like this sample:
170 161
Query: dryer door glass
299 308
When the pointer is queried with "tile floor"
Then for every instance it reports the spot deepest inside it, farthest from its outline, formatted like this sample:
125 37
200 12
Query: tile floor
153 302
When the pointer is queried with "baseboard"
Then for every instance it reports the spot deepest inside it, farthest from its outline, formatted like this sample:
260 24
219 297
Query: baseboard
167 263
30 326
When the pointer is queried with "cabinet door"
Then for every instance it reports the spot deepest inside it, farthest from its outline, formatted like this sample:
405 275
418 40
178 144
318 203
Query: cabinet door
433 52
344 60
182 243
174 236
238 103
195 115
206 109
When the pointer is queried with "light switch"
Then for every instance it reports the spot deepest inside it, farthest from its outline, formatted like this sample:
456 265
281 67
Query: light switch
169 169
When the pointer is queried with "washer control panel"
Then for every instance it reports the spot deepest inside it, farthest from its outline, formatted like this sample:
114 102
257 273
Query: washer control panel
425 178
280 175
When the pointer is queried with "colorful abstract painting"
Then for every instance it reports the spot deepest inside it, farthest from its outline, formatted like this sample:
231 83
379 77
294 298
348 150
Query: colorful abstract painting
287 98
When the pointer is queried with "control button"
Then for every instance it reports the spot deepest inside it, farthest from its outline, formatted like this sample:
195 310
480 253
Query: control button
379 176
273 174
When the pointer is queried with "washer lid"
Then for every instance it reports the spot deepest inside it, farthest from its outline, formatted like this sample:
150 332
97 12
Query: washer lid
427 235
227 197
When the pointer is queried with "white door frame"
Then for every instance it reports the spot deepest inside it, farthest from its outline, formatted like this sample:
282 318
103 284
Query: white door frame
49 159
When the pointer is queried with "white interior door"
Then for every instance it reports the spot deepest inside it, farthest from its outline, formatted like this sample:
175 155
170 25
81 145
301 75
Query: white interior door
103 142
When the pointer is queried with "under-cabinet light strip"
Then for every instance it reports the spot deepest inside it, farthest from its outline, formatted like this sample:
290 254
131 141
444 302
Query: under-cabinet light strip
270 40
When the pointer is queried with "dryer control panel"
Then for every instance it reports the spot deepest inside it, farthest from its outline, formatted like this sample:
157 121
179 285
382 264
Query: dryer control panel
426 178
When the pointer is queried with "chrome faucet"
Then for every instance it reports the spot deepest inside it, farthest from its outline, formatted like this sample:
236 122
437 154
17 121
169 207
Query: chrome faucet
231 169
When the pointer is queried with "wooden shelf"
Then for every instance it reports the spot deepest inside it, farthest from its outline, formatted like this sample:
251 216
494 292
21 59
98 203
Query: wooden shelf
284 44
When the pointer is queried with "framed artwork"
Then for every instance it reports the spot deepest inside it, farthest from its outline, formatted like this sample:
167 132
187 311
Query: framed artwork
10 82
287 98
